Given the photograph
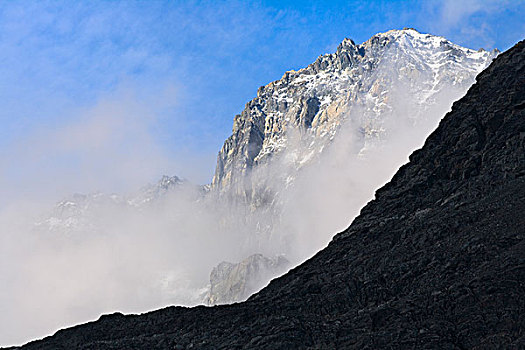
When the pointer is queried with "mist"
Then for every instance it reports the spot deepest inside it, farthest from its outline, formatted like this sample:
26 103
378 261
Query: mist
123 245
117 257
329 193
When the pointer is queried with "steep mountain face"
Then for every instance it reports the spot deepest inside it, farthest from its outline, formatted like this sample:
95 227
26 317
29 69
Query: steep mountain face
337 128
435 261
396 77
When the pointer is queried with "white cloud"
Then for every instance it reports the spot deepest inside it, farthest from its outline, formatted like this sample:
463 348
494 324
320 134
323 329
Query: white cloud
453 11
107 147
466 19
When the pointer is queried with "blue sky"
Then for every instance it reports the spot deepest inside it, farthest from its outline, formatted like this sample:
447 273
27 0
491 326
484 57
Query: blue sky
155 84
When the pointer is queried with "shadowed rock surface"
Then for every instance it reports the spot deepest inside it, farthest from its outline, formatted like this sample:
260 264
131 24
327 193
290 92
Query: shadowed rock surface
231 282
435 261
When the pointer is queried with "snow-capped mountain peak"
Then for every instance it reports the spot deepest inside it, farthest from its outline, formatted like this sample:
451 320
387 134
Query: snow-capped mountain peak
360 82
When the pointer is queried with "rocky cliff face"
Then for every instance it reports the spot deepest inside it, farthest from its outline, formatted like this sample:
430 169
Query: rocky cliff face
339 127
231 282
400 74
435 261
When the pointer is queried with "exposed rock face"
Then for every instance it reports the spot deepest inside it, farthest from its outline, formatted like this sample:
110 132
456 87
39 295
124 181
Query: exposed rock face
435 261
304 109
236 282
377 100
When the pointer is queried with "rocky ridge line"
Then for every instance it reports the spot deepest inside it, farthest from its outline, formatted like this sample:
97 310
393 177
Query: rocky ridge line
316 100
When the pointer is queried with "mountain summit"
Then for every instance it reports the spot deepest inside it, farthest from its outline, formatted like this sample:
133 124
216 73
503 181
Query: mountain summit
435 261
310 149
365 83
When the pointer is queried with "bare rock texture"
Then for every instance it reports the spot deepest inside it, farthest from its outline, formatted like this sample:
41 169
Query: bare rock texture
304 110
231 282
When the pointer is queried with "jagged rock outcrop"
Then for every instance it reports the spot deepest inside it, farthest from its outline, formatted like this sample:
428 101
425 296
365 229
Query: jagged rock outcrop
303 111
231 283
377 100
435 261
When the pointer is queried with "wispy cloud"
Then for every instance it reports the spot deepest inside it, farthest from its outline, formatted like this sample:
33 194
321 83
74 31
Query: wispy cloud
474 21
454 12
107 147
59 56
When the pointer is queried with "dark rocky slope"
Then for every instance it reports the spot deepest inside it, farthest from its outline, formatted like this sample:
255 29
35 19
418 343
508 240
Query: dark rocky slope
435 261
